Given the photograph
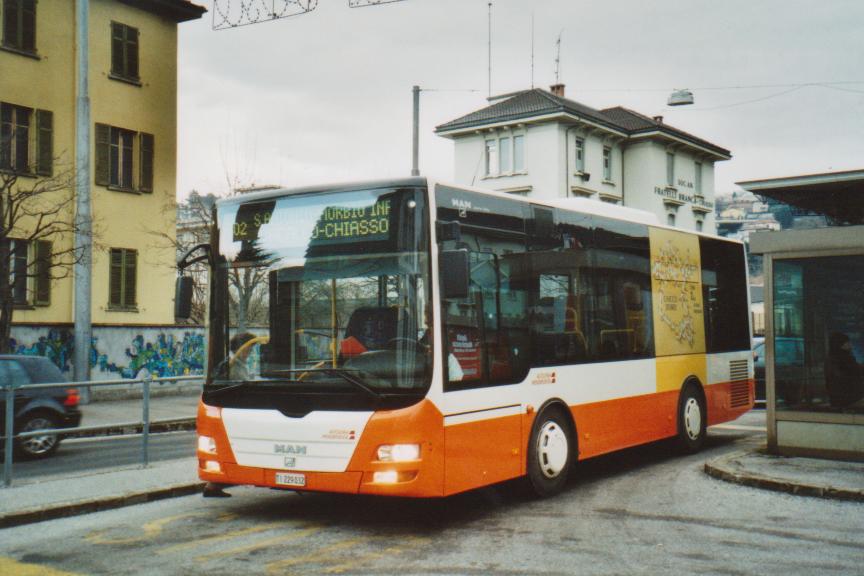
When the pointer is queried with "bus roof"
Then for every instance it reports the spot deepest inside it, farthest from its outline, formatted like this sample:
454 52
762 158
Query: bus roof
575 204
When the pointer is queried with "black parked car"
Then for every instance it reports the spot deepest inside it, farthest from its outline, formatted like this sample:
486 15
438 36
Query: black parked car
40 408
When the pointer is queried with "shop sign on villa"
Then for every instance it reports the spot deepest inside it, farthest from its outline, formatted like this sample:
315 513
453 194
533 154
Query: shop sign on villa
673 194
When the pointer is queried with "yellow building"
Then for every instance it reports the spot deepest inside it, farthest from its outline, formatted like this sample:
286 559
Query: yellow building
133 96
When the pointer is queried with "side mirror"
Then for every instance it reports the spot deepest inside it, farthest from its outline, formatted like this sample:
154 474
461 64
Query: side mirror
455 271
183 297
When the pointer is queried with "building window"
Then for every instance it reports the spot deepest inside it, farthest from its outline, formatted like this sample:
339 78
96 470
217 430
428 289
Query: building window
491 157
122 278
670 169
30 272
580 155
699 225
670 219
19 25
519 153
26 147
124 52
697 180
124 159
607 163
505 157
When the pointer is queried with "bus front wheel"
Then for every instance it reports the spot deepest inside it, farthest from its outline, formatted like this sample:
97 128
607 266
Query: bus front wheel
692 420
550 452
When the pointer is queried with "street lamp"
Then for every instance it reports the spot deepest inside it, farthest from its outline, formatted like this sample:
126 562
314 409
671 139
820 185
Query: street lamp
680 98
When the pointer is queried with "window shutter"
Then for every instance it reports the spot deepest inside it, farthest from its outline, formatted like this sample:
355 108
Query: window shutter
28 25
115 288
132 52
103 154
146 163
5 136
10 24
44 142
117 47
43 273
131 277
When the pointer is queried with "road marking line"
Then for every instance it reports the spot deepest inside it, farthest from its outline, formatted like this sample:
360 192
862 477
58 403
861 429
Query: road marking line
10 567
320 554
218 538
258 545
151 530
409 542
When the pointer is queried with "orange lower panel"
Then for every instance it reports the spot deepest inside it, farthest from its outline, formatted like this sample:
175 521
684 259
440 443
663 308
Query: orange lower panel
617 424
476 453
719 397
482 453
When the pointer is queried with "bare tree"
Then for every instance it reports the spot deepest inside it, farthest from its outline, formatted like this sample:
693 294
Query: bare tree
37 227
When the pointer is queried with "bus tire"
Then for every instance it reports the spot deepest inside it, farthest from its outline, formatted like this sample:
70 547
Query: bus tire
550 452
692 419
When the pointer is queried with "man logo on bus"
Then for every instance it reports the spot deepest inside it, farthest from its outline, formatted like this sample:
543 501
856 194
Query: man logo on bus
462 205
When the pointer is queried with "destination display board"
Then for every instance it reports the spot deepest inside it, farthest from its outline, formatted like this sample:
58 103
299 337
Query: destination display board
338 225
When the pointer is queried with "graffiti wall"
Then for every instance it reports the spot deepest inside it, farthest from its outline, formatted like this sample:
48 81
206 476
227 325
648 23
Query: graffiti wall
119 352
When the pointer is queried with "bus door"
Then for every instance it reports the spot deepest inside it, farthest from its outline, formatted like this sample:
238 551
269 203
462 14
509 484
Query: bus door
486 347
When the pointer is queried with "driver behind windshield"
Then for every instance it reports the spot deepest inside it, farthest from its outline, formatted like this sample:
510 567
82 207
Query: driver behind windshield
234 367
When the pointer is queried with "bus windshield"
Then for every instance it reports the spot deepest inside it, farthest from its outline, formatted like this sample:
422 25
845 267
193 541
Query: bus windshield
322 293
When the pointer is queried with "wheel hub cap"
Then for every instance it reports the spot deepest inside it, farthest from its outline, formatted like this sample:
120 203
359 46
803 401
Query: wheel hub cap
692 418
552 449
38 444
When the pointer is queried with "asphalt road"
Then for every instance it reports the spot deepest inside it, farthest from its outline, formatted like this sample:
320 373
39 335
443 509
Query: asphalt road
77 455
642 511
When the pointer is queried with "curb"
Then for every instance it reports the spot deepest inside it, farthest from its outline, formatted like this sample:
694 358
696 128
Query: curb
721 469
97 505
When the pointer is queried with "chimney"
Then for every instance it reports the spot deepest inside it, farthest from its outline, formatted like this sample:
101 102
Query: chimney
658 119
557 90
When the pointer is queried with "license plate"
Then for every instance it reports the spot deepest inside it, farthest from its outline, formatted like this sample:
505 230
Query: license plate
284 479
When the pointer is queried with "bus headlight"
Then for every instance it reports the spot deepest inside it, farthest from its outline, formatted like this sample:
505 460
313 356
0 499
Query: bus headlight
206 445
398 452
386 477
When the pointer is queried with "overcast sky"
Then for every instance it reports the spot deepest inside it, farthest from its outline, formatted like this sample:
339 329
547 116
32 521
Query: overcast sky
326 96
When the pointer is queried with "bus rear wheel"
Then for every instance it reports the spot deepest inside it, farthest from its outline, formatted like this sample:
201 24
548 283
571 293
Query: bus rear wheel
692 420
550 453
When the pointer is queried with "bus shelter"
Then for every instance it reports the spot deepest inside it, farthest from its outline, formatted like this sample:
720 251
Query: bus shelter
814 303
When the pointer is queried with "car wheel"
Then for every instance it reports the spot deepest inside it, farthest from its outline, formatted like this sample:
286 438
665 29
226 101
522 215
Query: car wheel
41 445
550 453
692 419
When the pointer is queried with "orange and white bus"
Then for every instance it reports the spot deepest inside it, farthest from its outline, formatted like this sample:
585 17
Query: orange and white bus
412 338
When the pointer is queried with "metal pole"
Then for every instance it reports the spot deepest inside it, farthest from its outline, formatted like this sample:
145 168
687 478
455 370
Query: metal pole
415 166
145 421
9 433
83 228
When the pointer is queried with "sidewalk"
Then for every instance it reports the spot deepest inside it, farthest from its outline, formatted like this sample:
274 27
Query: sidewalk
802 476
93 491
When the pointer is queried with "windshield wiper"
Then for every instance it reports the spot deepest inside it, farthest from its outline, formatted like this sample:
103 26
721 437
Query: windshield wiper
229 388
345 374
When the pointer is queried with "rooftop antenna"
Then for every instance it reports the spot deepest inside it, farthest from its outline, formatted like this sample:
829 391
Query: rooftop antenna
490 49
558 58
532 49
